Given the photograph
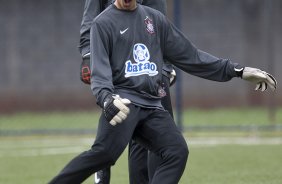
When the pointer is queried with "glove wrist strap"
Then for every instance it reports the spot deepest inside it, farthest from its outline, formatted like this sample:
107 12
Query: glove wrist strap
110 110
87 55
239 70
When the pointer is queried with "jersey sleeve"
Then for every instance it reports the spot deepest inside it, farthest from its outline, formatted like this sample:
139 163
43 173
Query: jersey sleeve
101 72
92 9
184 55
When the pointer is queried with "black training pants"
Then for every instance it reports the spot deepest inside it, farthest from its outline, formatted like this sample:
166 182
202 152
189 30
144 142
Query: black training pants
141 163
153 128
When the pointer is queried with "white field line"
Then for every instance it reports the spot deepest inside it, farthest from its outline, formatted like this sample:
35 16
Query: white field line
43 143
42 152
66 146
213 141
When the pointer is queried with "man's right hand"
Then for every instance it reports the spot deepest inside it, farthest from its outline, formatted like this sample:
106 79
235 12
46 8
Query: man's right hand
85 72
115 109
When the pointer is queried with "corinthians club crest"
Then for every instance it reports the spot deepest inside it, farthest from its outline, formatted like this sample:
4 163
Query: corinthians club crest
149 25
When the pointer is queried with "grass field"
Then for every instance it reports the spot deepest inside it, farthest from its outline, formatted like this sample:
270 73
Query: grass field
36 160
215 157
88 120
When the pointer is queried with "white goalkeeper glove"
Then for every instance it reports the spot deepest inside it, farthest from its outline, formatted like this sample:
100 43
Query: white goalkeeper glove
261 78
115 109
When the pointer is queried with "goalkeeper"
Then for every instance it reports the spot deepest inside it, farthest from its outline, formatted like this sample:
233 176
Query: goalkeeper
125 79
138 155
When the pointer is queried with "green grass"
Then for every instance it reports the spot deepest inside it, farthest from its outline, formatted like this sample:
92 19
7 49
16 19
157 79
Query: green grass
53 120
36 160
235 164
88 120
231 116
33 160
29 160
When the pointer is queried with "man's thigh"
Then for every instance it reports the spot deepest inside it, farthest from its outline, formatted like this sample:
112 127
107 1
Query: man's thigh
161 136
113 139
158 131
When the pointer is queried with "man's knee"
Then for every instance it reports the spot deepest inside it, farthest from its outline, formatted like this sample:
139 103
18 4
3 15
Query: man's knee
181 151
111 154
104 155
178 153
184 151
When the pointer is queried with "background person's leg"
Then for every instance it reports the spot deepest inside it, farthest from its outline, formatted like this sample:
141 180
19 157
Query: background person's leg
153 162
137 163
103 176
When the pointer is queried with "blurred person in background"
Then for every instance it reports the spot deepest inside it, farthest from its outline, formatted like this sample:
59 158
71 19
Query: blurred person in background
130 93
138 155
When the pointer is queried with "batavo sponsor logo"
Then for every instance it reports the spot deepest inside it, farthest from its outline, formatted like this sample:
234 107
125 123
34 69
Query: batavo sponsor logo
142 65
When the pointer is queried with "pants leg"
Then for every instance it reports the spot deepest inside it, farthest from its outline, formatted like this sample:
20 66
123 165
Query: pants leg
143 163
108 146
160 135
137 163
155 129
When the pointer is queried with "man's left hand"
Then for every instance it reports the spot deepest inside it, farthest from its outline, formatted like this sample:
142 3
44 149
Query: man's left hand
262 79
